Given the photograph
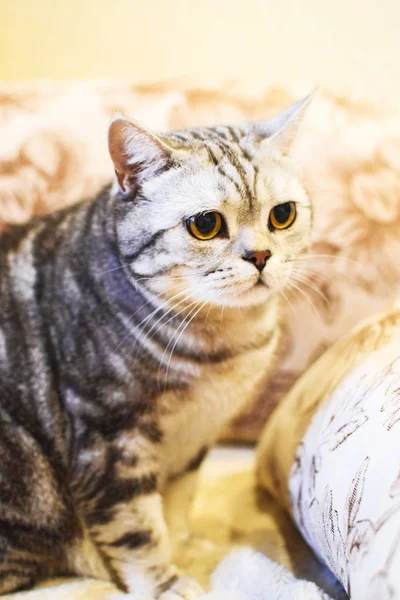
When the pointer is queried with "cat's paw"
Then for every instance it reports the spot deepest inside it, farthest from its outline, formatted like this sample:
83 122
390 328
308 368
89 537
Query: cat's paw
184 588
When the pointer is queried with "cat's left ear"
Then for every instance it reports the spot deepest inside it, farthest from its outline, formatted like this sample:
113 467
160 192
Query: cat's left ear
283 129
137 153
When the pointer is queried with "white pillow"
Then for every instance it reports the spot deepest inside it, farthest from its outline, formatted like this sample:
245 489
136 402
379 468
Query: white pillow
342 482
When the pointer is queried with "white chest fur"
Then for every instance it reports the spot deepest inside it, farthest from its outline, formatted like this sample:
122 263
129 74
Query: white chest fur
199 414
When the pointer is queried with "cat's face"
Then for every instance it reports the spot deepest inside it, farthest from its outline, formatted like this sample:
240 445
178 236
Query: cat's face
210 215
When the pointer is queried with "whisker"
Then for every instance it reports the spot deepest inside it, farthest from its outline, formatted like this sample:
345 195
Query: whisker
133 315
311 255
290 304
122 266
146 278
184 324
314 268
170 309
208 313
302 292
180 335
169 320
143 323
222 312
196 303
328 258
298 278
170 277
173 316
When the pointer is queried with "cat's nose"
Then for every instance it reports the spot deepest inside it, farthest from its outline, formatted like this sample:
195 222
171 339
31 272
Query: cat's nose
258 258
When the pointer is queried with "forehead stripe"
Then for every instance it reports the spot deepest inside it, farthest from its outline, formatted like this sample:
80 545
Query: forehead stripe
240 170
235 183
196 135
211 153
221 170
233 134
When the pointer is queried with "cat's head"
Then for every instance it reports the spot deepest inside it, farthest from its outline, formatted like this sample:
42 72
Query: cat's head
214 214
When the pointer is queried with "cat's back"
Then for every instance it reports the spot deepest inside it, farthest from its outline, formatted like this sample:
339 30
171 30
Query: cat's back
19 314
16 281
23 248
26 256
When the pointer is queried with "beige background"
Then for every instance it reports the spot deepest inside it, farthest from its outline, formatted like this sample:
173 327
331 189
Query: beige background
351 45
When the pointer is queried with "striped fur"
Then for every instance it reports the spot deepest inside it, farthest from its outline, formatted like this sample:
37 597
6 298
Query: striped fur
126 345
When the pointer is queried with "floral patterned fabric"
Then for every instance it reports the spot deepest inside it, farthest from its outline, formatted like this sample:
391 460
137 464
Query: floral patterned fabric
53 152
339 475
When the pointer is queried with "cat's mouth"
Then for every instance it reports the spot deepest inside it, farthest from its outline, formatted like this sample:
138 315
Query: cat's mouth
261 283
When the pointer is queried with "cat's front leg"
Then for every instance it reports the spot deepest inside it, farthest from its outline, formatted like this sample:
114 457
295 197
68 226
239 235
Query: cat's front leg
136 544
125 515
178 502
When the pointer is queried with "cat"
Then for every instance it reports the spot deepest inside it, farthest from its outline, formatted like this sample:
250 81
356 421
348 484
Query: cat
133 327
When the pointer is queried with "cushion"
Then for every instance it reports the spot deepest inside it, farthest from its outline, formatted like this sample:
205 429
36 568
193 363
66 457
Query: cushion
330 455
53 152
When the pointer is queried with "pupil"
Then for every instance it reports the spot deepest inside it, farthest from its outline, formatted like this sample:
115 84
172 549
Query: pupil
282 212
206 223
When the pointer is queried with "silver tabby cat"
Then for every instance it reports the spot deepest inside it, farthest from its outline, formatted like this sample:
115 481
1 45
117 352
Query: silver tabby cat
133 327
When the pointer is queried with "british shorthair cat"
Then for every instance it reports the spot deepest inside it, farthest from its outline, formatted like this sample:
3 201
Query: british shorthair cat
133 327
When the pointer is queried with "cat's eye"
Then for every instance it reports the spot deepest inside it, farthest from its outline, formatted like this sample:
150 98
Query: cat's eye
282 216
205 226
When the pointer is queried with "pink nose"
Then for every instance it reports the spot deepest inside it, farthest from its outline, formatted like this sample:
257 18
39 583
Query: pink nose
258 258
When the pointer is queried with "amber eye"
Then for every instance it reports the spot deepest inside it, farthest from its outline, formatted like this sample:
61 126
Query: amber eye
282 216
205 226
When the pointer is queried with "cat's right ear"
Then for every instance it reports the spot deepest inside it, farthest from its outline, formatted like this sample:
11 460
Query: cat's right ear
137 153
283 129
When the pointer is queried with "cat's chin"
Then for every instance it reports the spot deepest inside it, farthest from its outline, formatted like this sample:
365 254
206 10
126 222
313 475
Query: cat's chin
257 294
